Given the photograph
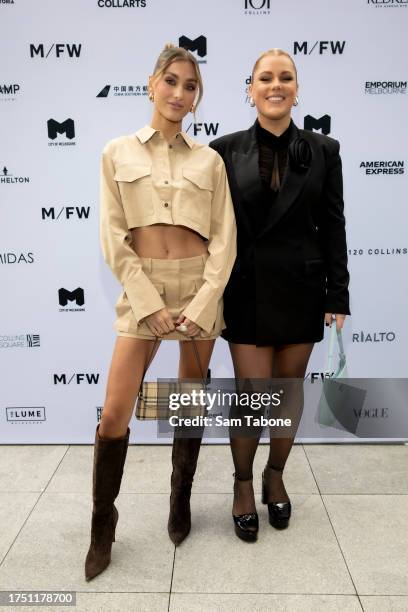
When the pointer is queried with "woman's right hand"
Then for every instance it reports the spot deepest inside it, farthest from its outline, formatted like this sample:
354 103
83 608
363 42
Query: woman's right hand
160 322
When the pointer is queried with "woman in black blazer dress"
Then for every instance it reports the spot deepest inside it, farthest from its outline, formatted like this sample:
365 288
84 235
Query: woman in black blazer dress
290 275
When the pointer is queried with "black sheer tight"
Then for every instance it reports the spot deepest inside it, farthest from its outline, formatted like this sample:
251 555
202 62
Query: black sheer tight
250 361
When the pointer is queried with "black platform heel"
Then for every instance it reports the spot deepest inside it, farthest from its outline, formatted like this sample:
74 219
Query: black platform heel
246 525
279 512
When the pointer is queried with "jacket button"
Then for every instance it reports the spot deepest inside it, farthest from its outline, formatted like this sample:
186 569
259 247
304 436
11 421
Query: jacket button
166 204
170 146
166 182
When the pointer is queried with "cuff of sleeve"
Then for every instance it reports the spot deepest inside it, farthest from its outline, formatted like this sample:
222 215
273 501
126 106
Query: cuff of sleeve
336 306
144 299
204 317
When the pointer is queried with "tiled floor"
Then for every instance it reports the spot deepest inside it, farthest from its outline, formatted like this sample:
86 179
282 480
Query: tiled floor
346 548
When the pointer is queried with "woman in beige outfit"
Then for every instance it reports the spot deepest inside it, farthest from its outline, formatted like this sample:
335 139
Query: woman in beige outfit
168 233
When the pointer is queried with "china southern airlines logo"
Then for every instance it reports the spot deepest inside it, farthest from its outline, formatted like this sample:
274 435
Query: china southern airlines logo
199 44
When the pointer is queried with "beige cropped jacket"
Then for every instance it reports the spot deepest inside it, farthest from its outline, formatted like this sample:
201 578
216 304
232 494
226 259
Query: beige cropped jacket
147 180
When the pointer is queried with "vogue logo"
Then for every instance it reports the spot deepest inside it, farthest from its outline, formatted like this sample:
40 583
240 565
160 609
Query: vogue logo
199 44
66 212
6 177
77 296
56 50
26 414
323 124
210 129
321 47
383 167
78 379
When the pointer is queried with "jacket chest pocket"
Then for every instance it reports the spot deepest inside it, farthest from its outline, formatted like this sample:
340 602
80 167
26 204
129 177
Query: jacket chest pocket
196 195
135 187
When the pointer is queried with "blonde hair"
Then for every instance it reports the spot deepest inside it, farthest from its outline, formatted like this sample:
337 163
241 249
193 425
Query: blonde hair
170 54
274 52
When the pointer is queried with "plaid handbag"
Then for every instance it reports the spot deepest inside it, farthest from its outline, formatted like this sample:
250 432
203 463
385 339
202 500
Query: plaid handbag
154 397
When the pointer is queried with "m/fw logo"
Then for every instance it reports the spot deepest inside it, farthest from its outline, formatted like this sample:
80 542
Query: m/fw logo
312 376
78 379
320 46
210 129
199 44
56 50
65 296
30 414
66 212
323 124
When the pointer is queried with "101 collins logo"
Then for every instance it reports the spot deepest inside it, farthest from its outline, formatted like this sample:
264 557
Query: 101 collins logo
55 128
6 177
65 296
57 50
321 46
257 7
77 379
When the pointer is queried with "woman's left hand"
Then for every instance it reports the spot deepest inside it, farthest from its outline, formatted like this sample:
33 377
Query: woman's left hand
339 318
192 328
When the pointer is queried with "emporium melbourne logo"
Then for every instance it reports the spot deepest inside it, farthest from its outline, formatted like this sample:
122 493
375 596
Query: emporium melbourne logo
257 7
9 91
374 336
56 129
320 47
391 166
67 299
209 129
197 45
20 341
25 414
122 91
122 3
322 124
385 87
58 50
8 177
66 213
16 258
388 3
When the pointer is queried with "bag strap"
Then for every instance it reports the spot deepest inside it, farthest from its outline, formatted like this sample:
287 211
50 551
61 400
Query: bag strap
334 334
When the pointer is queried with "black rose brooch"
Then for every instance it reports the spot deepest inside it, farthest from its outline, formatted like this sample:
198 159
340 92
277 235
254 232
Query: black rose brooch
300 154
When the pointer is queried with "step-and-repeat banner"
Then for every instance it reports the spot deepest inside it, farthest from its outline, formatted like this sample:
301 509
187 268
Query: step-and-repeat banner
73 75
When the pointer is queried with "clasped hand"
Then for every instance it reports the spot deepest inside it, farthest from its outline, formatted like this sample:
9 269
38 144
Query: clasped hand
161 323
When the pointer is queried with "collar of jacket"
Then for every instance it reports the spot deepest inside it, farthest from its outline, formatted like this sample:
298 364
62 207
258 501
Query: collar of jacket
246 163
146 132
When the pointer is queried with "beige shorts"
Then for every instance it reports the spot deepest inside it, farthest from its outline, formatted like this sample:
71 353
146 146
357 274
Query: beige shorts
177 281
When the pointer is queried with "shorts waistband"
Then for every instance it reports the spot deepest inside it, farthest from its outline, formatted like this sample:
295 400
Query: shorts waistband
186 263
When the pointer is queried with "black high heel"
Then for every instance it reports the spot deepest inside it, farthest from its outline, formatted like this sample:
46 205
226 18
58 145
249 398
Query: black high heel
246 525
279 512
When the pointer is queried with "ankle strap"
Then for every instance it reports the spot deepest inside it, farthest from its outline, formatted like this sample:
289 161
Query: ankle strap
274 467
237 477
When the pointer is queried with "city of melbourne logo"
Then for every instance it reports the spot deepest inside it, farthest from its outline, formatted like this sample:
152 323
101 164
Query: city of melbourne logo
320 47
8 177
122 91
25 414
77 378
122 3
385 87
209 129
20 341
65 213
257 7
61 134
388 3
57 50
383 167
9 91
16 258
197 45
67 299
322 124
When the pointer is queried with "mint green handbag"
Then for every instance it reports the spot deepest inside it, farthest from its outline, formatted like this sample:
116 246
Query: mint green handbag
325 415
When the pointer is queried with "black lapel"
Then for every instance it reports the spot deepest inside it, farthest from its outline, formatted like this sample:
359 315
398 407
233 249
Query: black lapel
292 185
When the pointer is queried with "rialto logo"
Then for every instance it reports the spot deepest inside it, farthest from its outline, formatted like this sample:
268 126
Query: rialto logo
19 340
58 50
377 336
83 378
57 130
67 299
122 91
385 87
66 213
195 45
209 129
25 414
390 166
322 124
320 47
18 257
8 177
257 7
122 3
379 251
388 3
9 91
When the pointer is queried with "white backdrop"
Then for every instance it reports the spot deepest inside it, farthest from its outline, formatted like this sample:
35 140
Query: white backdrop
58 56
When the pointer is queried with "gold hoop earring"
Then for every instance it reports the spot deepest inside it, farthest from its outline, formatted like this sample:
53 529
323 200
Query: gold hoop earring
151 96
251 102
193 108
296 101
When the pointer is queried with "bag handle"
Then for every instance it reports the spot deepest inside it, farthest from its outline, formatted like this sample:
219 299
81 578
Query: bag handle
335 333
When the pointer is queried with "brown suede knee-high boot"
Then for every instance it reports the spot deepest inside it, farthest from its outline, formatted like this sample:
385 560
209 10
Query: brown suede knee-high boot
109 459
184 458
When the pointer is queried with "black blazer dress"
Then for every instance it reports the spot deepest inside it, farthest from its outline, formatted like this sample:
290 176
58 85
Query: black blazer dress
293 268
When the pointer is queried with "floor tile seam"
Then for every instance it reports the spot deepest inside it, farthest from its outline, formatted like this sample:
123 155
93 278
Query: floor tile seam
41 493
81 491
171 578
330 521
290 593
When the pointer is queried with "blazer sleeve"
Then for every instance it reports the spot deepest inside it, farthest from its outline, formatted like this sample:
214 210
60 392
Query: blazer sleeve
116 239
222 252
334 236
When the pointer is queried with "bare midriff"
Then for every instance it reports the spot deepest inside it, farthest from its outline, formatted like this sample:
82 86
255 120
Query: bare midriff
162 241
